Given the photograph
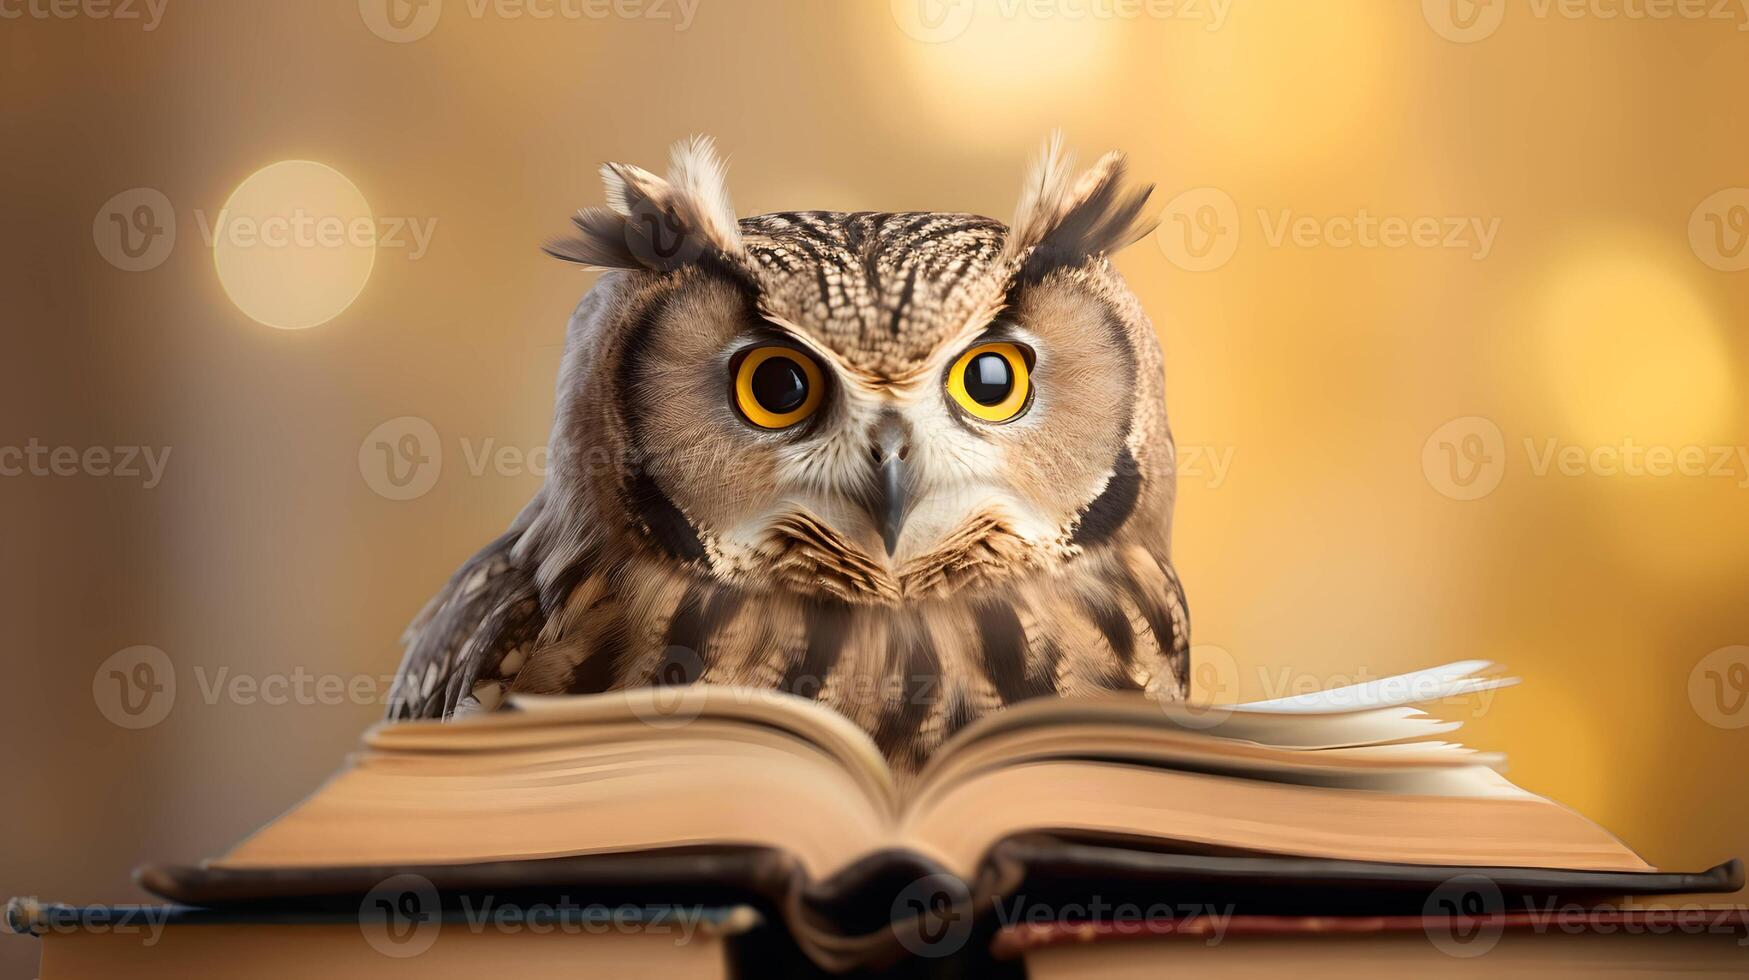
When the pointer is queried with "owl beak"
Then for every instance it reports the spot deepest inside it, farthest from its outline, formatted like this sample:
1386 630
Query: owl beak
889 508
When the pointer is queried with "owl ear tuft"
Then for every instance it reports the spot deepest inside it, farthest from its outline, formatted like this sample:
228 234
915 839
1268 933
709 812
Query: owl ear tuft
656 223
1063 220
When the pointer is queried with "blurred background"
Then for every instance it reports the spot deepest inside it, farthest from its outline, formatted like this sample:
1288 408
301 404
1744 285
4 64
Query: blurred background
1452 297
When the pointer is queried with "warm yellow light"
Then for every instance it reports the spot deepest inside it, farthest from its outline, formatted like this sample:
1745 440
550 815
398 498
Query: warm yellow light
294 244
1015 62
1631 350
1303 80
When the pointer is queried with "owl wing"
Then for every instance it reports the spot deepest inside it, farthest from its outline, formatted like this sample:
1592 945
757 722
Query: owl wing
488 611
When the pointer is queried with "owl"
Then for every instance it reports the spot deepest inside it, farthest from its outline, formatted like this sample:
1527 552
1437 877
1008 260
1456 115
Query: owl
915 466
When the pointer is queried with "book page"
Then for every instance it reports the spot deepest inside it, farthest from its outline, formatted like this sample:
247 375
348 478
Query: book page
673 707
1400 690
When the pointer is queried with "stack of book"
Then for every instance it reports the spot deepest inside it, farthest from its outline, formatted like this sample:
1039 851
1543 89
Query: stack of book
695 830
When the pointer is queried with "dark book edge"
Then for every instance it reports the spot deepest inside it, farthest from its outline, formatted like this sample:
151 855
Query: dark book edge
30 917
697 875
893 903
1050 858
1014 942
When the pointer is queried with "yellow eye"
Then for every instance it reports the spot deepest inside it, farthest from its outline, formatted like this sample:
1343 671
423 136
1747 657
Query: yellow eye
991 381
776 387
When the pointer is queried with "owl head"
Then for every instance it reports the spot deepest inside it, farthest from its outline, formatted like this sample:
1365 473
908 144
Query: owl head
872 407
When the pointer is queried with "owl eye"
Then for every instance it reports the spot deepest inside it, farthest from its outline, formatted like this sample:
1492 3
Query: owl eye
991 381
776 387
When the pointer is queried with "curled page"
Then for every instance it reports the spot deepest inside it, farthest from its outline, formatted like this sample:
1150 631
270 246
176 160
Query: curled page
1401 690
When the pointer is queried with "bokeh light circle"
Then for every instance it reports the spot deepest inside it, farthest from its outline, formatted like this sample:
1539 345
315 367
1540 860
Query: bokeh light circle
294 244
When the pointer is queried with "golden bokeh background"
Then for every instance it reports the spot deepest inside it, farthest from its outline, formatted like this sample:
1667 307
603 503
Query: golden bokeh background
1432 273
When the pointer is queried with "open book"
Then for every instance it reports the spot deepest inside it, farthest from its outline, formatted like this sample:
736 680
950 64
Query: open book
1357 773
1349 802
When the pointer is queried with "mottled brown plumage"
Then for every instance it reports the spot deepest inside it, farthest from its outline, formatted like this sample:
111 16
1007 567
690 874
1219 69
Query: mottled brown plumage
893 556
